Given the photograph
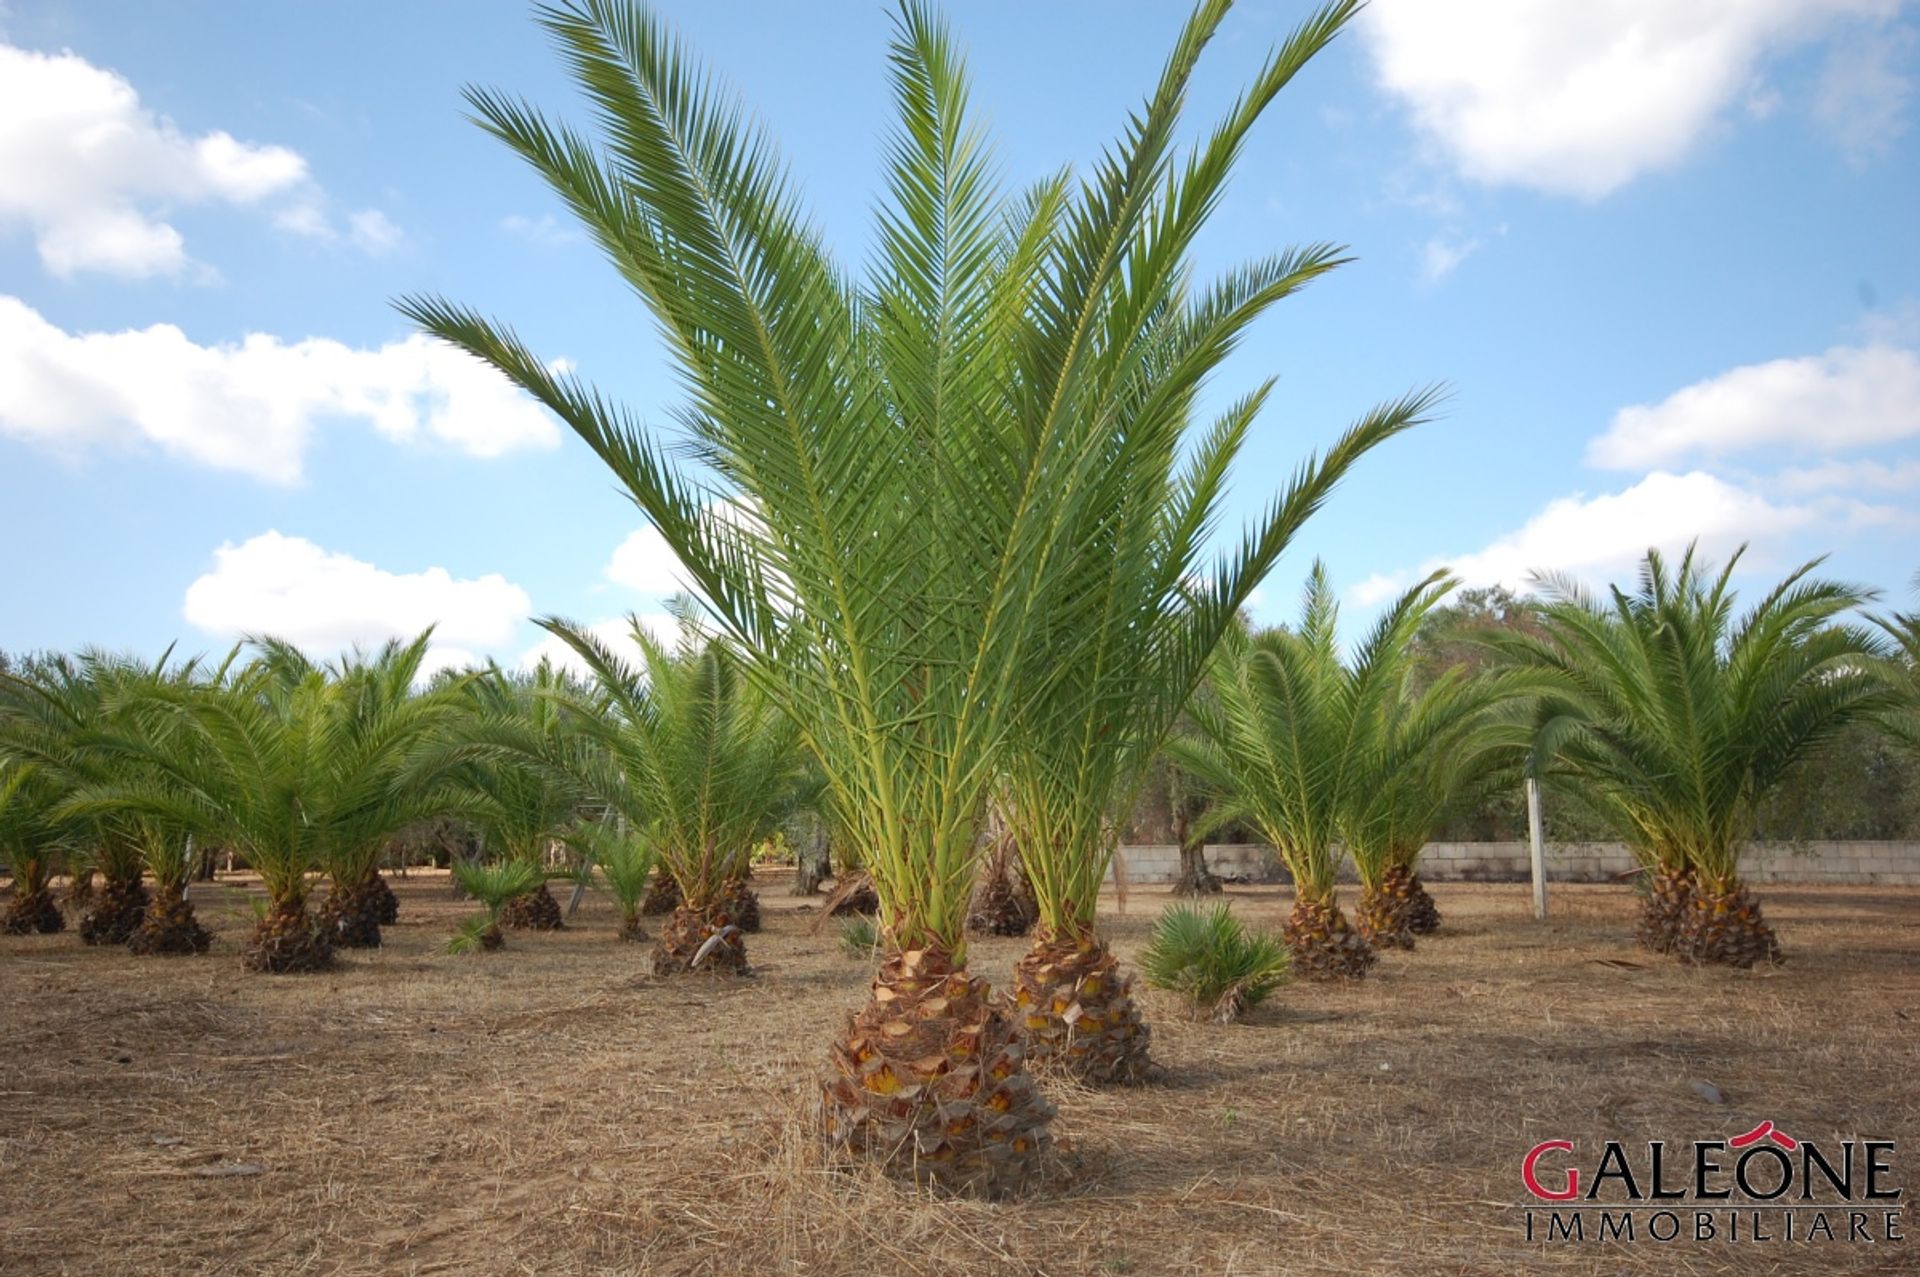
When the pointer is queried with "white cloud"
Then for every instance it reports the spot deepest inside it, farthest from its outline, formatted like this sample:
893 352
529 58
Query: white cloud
643 562
91 173
1581 98
1863 94
1850 396
373 231
615 632
1851 476
1598 538
545 230
249 406
325 601
1441 256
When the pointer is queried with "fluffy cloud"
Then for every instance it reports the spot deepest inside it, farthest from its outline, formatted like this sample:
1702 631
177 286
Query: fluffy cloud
90 171
1598 538
325 601
1864 93
1851 476
643 562
1851 396
1441 256
249 406
1582 98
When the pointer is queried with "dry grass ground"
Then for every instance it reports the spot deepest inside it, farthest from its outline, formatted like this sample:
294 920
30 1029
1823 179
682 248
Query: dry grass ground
554 1109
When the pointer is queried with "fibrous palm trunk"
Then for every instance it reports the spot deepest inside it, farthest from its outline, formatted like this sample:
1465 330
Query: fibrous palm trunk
1668 902
1423 915
389 904
741 905
663 894
535 911
1385 916
929 1081
630 928
33 911
118 907
351 915
80 890
1003 904
1322 945
169 925
1723 926
1077 1011
700 940
287 942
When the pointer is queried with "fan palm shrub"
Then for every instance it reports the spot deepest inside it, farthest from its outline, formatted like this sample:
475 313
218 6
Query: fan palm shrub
1674 717
1207 956
494 884
897 478
31 840
1292 737
693 755
626 864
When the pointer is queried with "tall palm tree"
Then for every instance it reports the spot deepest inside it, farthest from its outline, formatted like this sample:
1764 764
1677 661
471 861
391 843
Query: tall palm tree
897 478
700 763
1293 738
1901 671
1674 717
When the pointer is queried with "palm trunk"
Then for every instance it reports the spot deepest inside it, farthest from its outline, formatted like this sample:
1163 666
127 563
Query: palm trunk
1322 944
1385 916
630 929
33 910
812 860
1423 915
929 1082
700 940
169 926
287 942
663 895
1078 1012
535 911
351 915
1194 879
1665 911
741 905
1723 926
118 907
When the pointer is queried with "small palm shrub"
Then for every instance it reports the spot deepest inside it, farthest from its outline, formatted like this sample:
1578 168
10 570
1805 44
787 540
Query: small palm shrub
859 936
492 885
626 866
1206 955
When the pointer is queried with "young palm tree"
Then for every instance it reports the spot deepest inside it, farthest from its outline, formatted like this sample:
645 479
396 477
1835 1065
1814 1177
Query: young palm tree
520 748
693 755
494 884
30 844
1440 745
1292 738
626 864
898 479
1674 717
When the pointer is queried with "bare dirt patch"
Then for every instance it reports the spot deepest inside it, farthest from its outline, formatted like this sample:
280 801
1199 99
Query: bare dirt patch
553 1108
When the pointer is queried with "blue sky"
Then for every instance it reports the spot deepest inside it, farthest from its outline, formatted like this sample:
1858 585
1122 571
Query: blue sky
1666 256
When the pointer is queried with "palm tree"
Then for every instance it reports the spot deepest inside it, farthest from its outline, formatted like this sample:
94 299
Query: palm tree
31 841
1440 746
626 864
897 478
493 884
1901 671
1674 718
1292 738
698 759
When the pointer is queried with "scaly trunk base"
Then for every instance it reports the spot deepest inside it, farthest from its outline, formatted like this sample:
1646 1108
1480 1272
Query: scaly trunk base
742 906
535 911
389 904
351 916
1665 910
1385 916
630 929
1077 1012
80 891
1423 915
287 943
929 1082
33 911
663 895
1723 927
678 951
1003 906
118 908
170 927
492 938
1321 944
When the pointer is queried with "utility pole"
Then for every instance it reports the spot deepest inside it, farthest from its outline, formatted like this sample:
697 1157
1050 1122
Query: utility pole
1536 850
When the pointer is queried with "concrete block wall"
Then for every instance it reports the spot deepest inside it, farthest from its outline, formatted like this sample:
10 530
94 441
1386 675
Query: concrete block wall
1889 864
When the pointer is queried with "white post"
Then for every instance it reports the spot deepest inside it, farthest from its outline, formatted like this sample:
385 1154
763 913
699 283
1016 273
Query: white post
1536 850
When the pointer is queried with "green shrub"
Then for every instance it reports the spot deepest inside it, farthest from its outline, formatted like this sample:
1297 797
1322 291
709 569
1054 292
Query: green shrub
492 885
859 936
1215 962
